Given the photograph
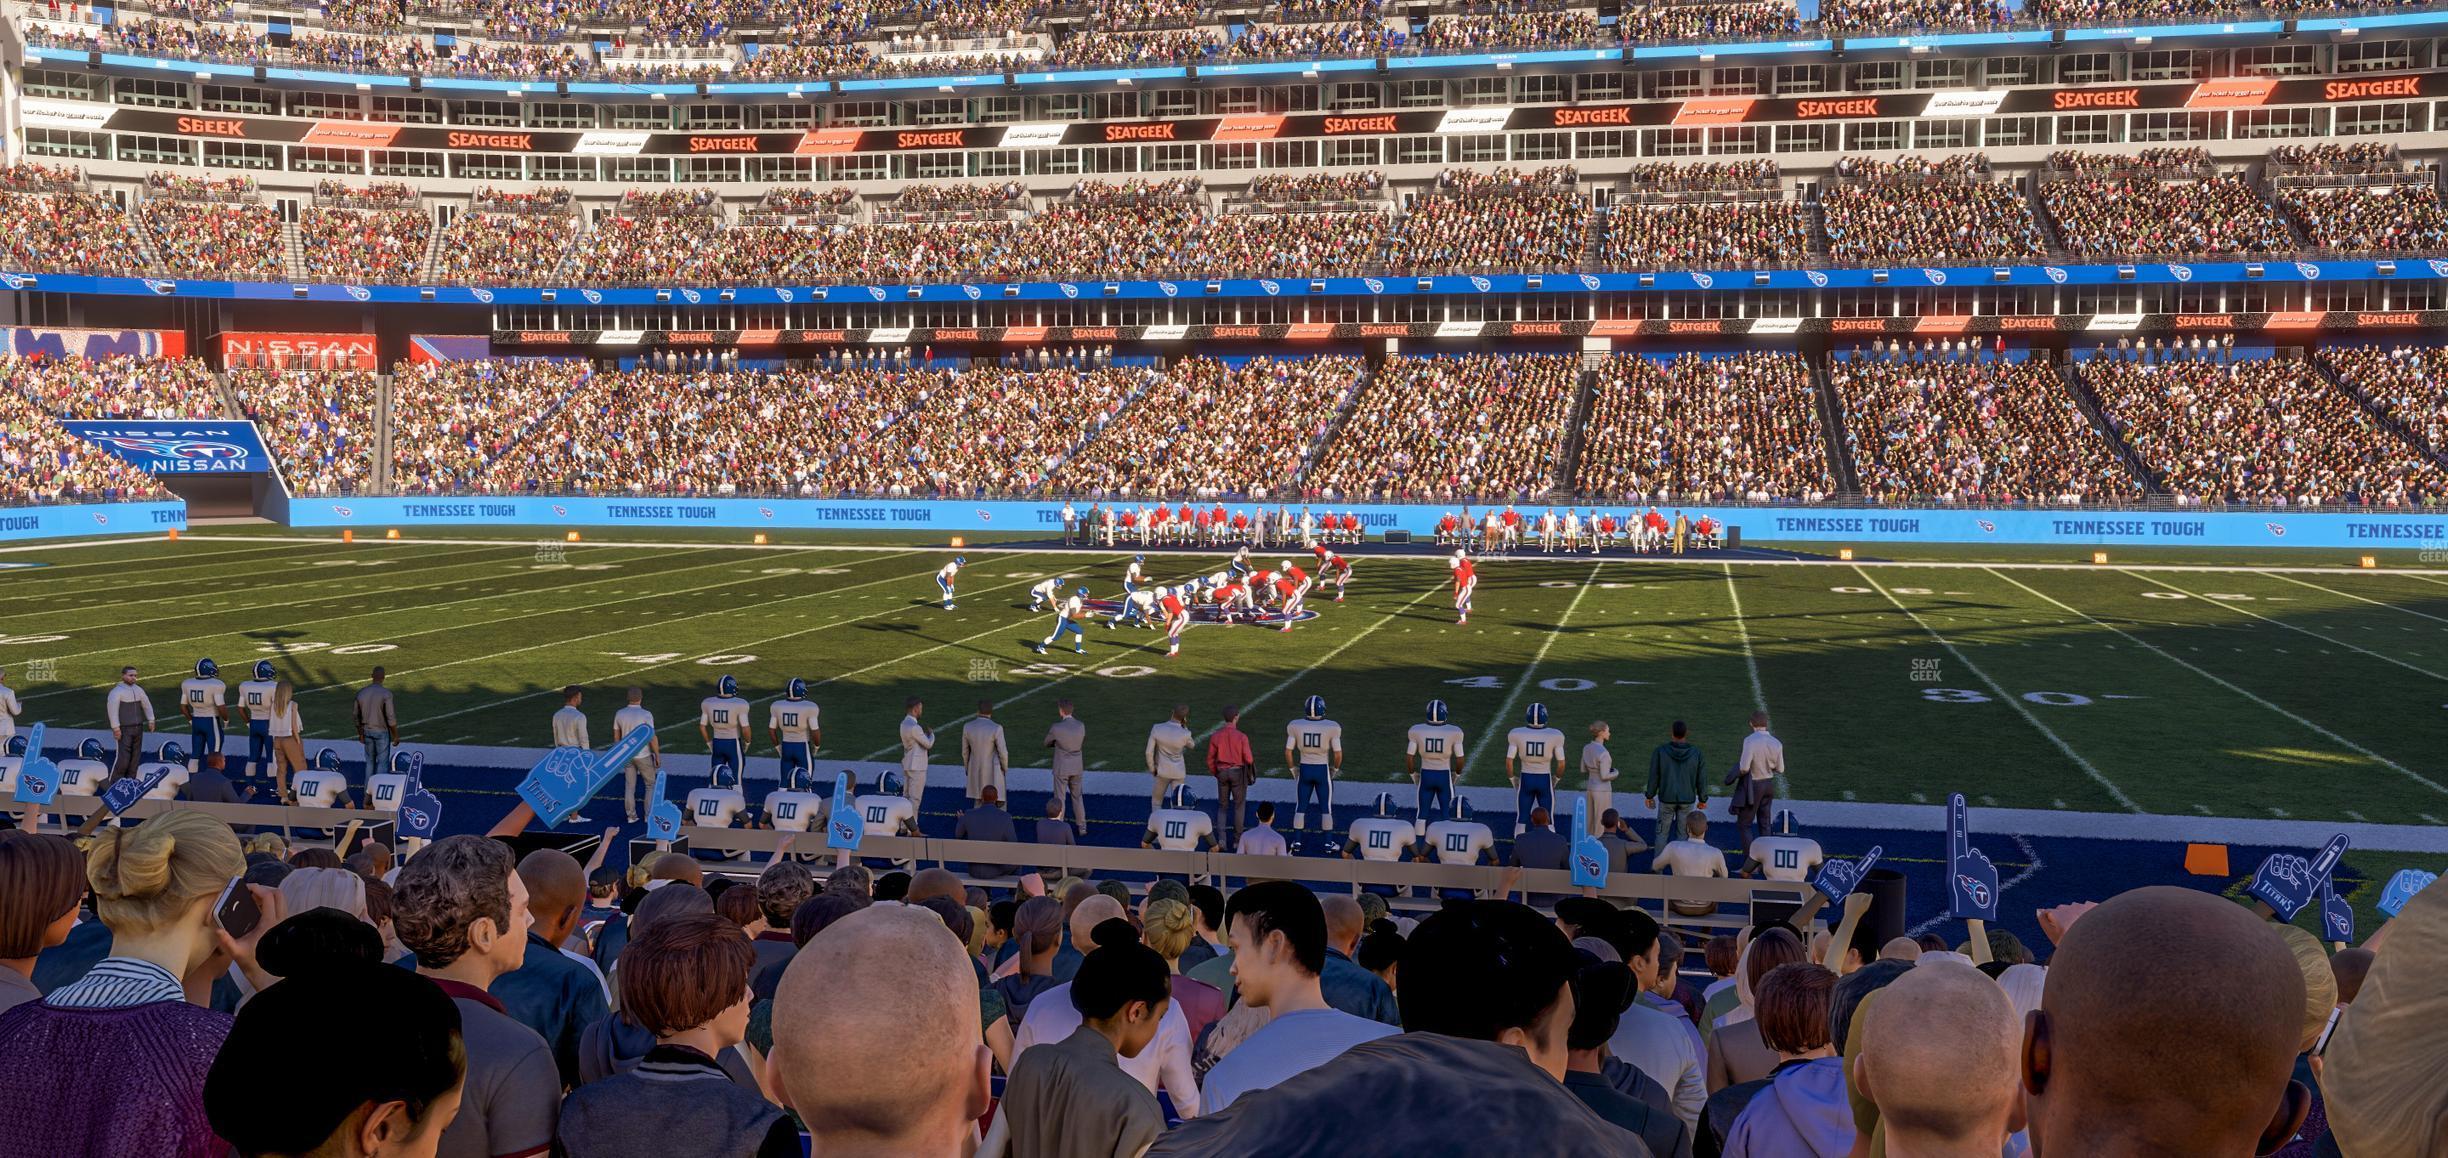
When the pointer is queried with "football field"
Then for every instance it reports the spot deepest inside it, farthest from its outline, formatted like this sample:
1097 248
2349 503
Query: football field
2312 693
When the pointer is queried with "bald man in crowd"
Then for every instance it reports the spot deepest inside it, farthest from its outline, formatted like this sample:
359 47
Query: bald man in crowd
877 1044
1938 1058
674 866
2169 1027
551 992
1346 985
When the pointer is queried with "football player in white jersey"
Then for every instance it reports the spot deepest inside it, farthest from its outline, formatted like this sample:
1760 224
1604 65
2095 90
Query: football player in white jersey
322 786
203 699
630 718
888 812
1783 856
1069 619
722 721
384 788
800 809
86 774
1461 840
1432 750
792 721
1178 827
945 576
1382 837
1138 607
173 766
255 702
1044 591
1533 753
719 803
1134 574
1313 753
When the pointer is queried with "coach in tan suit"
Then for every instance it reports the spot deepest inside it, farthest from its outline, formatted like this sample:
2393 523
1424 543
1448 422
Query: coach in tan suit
984 753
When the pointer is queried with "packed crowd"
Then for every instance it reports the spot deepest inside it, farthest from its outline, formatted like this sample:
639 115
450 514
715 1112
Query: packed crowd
919 202
1740 20
1508 28
1313 41
1923 210
1497 220
2140 213
2408 383
1964 428
119 387
1715 234
2256 431
1916 16
156 978
1702 428
2338 158
235 242
1434 429
363 245
1312 188
484 248
997 430
2385 218
379 195
35 177
1209 430
707 433
41 463
450 420
68 231
319 425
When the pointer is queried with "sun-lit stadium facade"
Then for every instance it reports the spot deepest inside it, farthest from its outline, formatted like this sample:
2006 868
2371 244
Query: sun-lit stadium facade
1610 186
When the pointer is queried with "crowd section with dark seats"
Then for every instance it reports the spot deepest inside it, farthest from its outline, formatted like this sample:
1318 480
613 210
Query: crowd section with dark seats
1968 428
2409 385
1433 429
2168 202
1737 428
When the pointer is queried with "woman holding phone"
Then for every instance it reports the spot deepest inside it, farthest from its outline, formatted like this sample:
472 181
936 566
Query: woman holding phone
114 1062
288 738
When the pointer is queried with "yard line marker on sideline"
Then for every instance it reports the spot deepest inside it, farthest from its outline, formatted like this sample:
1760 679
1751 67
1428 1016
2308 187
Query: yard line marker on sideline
2188 665
2360 599
1742 631
1496 726
2008 699
2294 627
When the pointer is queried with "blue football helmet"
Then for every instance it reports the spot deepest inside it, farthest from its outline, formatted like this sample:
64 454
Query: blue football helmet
1536 717
1081 591
1385 804
1785 823
172 752
91 750
726 687
403 761
797 690
1437 712
17 746
961 560
328 759
1138 558
263 669
1462 810
207 669
715 775
1178 797
1314 707
890 783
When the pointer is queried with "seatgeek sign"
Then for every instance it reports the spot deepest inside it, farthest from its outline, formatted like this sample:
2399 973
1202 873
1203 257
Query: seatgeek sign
184 446
91 519
1830 525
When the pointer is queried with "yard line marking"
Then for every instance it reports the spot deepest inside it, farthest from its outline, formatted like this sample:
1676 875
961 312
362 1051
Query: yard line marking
217 559
2360 599
237 589
903 578
1742 631
2010 700
361 611
2188 665
1496 726
2292 627
1304 673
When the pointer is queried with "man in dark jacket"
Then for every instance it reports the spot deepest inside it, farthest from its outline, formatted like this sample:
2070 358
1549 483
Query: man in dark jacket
1678 784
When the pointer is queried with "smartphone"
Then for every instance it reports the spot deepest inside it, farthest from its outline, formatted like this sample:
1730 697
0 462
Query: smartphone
237 911
2322 1045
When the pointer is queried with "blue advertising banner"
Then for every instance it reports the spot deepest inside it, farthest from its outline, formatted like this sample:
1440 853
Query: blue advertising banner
1828 525
179 446
92 519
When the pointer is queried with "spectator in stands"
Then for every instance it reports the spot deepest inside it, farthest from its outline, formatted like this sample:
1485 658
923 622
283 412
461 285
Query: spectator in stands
987 821
1938 1058
2160 203
1801 1108
784 886
1743 426
1737 1052
549 992
876 1038
1279 932
1602 989
1163 1065
686 981
1037 931
1347 986
1659 1045
1928 210
1539 845
46 885
396 1099
1439 428
1692 856
2382 1070
1262 839
2200 1067
1072 1096
1487 1006
1169 925
1973 431
460 906
154 888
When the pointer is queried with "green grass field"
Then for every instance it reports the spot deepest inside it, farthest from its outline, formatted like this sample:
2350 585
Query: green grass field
2317 695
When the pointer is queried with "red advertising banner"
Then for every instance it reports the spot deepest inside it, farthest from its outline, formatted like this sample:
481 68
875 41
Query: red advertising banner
253 351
